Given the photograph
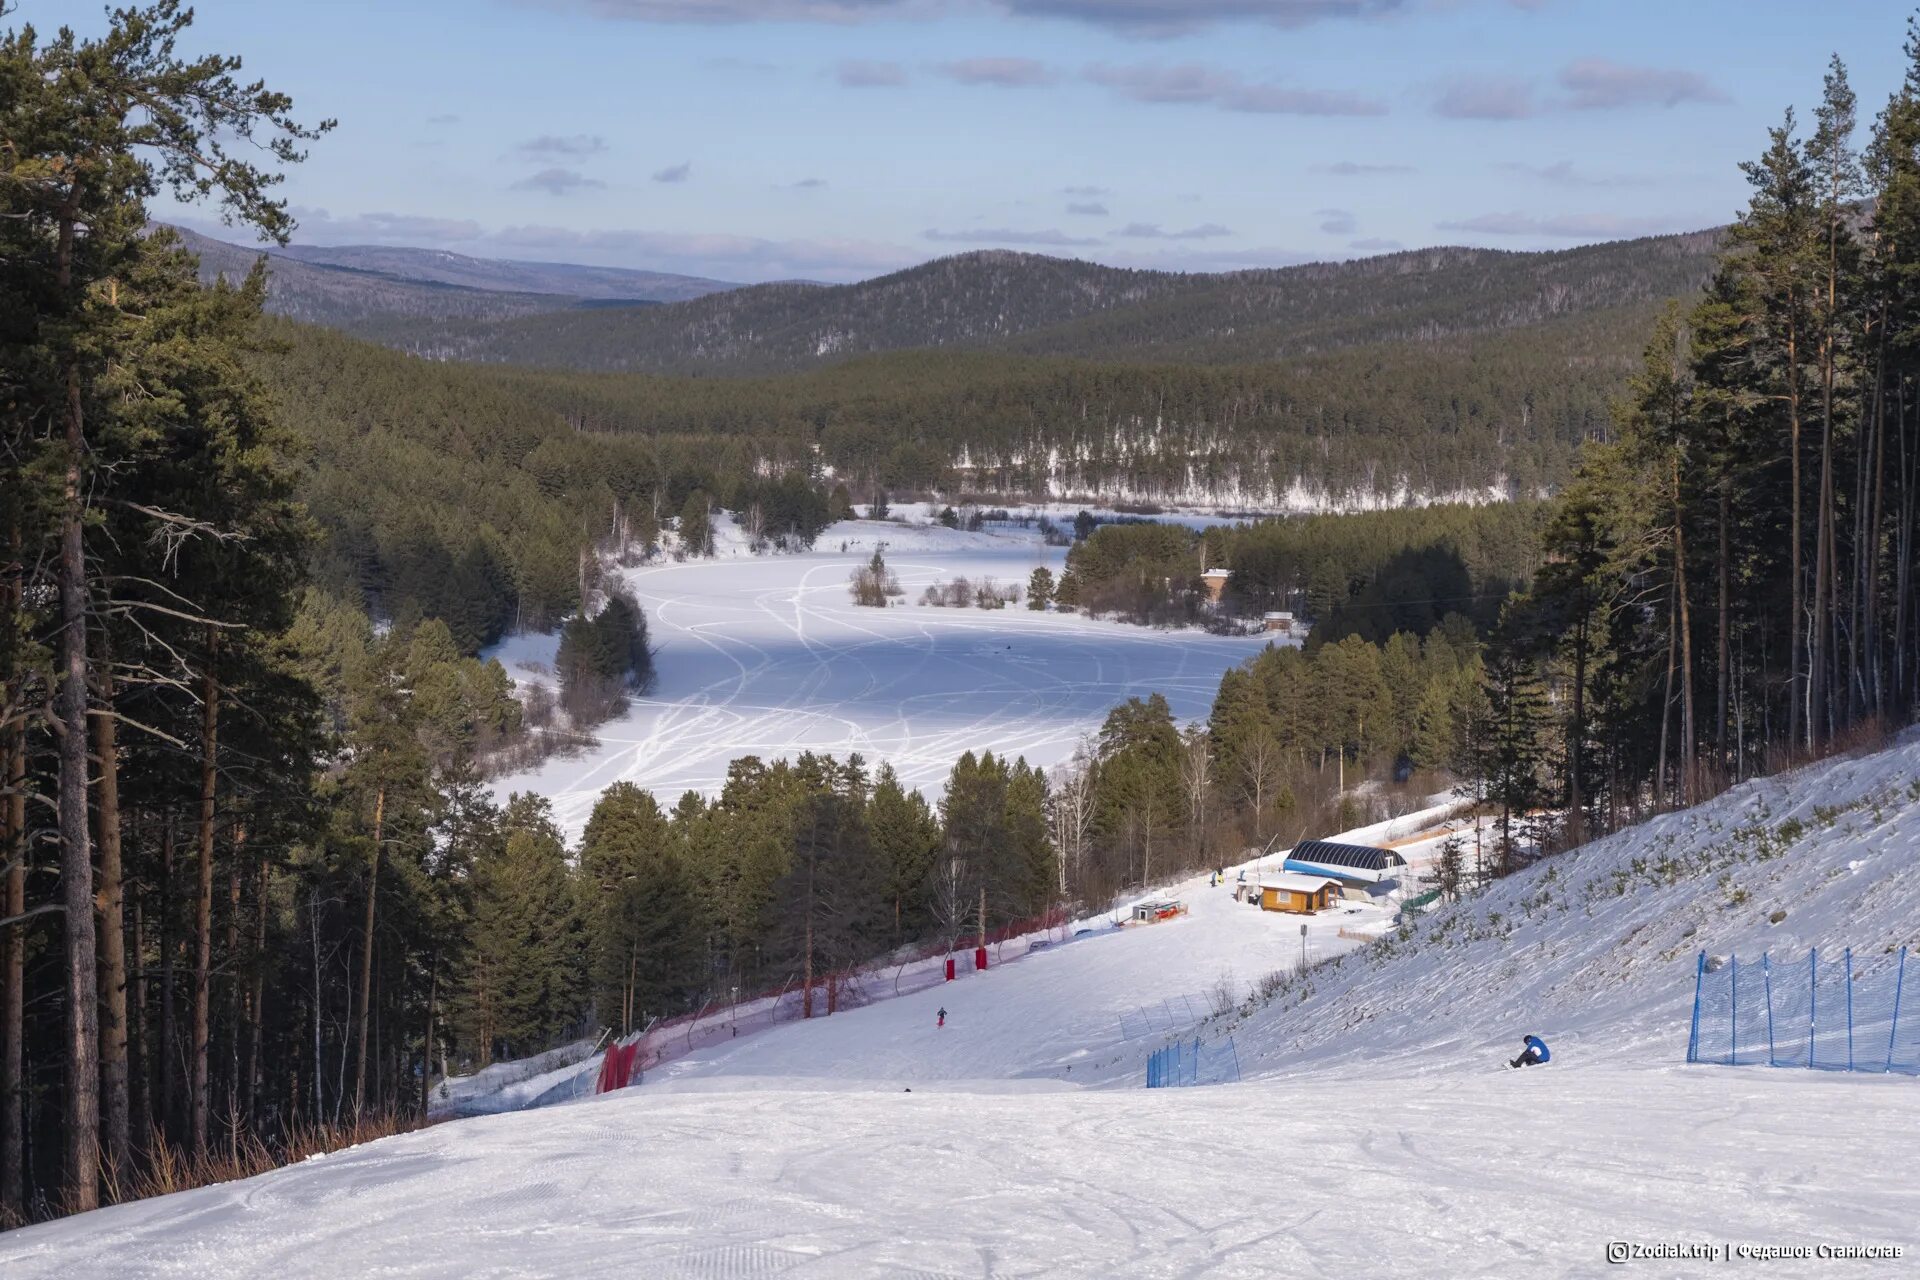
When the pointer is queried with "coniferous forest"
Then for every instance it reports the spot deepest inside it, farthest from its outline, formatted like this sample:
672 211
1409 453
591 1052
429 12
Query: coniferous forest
257 898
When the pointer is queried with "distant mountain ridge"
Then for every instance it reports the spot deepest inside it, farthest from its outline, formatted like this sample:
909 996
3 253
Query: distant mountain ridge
1037 305
379 291
450 306
506 275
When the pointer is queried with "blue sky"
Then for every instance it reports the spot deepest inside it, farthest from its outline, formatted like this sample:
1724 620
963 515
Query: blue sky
836 139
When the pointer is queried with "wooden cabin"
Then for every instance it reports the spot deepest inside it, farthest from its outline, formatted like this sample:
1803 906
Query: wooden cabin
1296 894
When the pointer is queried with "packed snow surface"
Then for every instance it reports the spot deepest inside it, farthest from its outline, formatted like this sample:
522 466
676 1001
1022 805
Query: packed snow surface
769 656
1375 1133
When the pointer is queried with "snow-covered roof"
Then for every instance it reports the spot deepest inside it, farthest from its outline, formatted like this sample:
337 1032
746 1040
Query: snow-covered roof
1218 573
1293 882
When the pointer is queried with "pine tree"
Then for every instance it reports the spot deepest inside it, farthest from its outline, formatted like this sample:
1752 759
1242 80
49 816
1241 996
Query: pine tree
527 963
637 909
696 524
1514 745
1040 589
906 838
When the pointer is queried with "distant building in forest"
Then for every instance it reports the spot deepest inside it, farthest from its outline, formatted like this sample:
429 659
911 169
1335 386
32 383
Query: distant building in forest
1215 582
1279 620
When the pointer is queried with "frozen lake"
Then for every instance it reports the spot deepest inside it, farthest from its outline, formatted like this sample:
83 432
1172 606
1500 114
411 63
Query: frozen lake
768 656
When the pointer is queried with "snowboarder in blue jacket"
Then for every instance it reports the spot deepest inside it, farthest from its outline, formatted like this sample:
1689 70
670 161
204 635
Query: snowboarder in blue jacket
1533 1052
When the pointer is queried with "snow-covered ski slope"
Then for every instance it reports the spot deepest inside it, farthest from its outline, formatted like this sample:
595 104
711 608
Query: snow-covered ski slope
1376 1132
768 656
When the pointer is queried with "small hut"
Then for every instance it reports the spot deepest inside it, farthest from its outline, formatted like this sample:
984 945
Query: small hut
1297 894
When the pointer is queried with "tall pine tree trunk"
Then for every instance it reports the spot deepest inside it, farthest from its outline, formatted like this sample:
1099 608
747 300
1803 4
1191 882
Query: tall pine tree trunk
82 1129
1723 634
13 966
114 1119
1819 710
426 1047
1904 683
1688 737
233 984
1577 737
169 1043
1666 697
1876 524
1909 462
139 1035
201 1100
366 956
256 1002
1799 730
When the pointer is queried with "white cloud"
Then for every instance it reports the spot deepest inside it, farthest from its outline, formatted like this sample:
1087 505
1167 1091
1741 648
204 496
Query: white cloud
578 144
1598 84
1152 231
1563 226
1336 222
858 73
1048 237
1357 169
1001 73
557 182
1196 83
1138 18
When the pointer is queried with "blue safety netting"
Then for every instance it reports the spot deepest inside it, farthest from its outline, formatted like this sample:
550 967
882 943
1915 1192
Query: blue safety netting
1827 1012
1193 1062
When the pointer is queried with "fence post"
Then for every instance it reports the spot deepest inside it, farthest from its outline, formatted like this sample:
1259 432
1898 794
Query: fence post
1693 1036
1766 974
1849 963
1899 981
1813 999
1733 1021
1236 1059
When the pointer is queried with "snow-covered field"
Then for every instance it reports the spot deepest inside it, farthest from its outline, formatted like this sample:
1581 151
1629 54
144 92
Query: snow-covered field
1375 1133
768 656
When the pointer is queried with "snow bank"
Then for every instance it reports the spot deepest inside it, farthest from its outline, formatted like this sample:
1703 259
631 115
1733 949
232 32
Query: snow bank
1595 949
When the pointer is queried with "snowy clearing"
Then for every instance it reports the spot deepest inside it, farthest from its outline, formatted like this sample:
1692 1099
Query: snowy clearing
1506 1174
767 656
1376 1131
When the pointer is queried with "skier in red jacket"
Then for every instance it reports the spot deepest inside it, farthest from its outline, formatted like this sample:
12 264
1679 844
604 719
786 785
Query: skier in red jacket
941 1019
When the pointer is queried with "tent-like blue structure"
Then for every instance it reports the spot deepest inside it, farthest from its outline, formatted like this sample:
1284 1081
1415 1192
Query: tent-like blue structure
1347 863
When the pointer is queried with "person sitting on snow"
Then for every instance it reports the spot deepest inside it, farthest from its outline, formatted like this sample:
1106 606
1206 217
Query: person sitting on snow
1532 1054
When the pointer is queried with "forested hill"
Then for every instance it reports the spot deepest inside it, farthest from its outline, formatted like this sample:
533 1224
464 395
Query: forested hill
383 292
1040 305
437 266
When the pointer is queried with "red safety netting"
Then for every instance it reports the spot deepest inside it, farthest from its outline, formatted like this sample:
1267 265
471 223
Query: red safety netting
616 1069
